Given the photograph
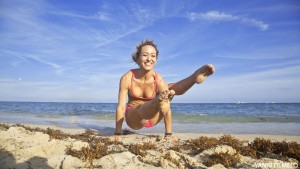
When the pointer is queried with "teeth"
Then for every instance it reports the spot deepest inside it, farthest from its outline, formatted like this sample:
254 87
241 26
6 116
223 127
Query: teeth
148 63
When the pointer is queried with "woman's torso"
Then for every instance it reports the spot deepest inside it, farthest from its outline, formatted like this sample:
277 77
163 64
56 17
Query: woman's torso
141 91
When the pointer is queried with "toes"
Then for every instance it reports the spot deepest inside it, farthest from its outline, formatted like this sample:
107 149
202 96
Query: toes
212 68
162 95
166 95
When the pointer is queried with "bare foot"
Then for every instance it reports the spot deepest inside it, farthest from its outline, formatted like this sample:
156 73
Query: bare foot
202 73
164 100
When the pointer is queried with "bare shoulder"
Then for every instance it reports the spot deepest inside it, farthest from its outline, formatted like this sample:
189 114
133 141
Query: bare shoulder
127 75
125 79
159 77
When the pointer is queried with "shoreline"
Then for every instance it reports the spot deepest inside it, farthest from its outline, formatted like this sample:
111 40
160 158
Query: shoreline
106 127
23 148
180 135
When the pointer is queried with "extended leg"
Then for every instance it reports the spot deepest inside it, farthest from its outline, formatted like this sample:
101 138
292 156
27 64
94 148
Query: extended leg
197 77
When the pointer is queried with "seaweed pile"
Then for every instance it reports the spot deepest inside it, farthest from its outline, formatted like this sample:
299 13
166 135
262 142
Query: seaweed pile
178 153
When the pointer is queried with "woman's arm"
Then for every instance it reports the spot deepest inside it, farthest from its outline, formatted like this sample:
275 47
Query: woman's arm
168 116
121 108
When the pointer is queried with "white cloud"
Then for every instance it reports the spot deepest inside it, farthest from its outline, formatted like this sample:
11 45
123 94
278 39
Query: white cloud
222 16
99 15
212 15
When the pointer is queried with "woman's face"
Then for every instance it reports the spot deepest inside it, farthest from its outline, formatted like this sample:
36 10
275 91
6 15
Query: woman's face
147 58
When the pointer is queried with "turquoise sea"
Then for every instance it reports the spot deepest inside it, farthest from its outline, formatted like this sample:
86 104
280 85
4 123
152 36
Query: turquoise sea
231 118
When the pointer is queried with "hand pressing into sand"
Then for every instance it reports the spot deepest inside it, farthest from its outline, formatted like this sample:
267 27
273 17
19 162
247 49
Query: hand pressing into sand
171 138
115 138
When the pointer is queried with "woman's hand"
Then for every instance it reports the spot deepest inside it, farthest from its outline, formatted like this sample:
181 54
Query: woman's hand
171 138
115 138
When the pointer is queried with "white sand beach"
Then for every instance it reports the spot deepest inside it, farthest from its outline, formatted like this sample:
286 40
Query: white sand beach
21 148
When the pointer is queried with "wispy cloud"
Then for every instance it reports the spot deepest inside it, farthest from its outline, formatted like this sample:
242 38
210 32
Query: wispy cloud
222 16
212 15
82 51
99 15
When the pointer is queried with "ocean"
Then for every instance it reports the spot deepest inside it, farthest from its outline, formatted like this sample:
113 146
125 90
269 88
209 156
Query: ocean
229 118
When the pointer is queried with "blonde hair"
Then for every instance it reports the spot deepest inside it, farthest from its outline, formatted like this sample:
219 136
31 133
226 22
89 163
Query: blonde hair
137 52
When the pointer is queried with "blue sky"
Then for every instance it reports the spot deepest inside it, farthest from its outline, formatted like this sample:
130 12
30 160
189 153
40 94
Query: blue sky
77 50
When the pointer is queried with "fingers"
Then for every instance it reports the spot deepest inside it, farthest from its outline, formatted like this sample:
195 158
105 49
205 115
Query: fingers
166 95
211 68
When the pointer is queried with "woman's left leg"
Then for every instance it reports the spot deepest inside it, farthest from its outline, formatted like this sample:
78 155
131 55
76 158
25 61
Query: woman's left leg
197 77
180 88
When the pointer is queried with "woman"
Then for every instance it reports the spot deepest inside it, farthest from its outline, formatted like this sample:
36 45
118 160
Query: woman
149 96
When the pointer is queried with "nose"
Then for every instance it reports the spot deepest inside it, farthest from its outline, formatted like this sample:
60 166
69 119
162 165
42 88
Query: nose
148 58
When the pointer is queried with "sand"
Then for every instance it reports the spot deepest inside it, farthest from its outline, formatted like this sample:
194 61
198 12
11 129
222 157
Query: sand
21 148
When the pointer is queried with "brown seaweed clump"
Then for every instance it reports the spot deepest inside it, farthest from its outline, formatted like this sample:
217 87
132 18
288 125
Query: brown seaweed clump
285 149
98 147
176 146
140 149
289 149
247 151
200 144
56 134
87 136
230 141
53 134
225 159
262 146
4 126
89 153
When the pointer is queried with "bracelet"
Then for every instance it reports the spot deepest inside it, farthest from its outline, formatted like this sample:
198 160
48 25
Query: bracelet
168 134
118 134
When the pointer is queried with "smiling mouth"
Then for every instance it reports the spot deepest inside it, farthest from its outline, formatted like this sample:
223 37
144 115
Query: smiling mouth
148 64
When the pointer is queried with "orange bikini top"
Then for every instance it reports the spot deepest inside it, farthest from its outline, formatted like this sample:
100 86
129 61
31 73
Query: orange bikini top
132 96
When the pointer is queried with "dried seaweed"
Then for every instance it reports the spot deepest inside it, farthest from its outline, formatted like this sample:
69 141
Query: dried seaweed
176 146
5 126
99 146
89 153
225 159
202 143
140 149
247 151
287 149
230 141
